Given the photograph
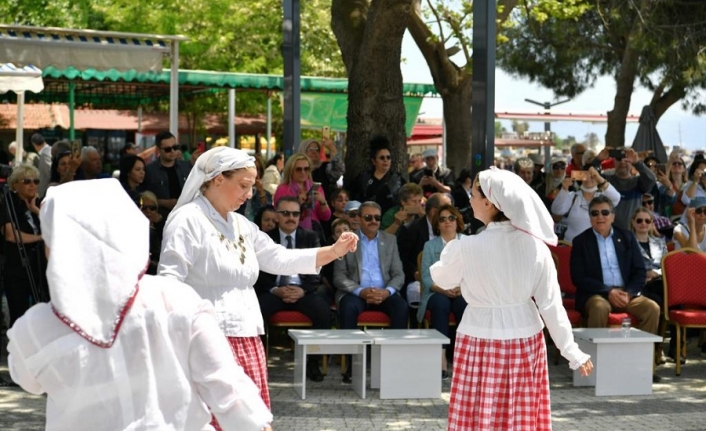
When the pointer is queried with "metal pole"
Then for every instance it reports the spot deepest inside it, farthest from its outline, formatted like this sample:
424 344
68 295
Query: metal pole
292 68
174 91
72 105
19 131
547 128
139 119
231 117
269 126
483 99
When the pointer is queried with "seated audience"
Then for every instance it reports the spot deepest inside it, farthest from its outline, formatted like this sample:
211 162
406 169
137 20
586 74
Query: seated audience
662 224
328 172
273 173
370 278
296 292
352 215
339 200
608 271
652 247
409 209
448 225
260 196
572 205
433 178
379 183
693 233
338 226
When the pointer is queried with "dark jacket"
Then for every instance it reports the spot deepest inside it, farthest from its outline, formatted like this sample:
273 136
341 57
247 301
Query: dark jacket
411 238
586 270
443 175
303 239
157 179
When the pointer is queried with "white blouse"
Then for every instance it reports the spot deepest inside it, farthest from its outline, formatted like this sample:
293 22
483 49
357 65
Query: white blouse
578 220
193 252
168 360
500 271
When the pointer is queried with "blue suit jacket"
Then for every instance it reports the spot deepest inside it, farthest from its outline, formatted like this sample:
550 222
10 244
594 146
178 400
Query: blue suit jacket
586 270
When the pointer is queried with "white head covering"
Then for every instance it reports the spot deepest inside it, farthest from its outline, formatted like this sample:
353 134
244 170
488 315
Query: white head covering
211 163
511 195
99 243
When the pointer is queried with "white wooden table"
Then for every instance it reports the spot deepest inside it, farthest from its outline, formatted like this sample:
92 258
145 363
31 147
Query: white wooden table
406 363
328 342
623 362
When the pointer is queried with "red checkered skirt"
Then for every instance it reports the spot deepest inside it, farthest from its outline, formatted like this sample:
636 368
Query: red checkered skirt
250 354
500 385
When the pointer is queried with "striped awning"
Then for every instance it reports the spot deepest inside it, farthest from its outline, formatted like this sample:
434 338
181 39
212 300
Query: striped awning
62 48
20 79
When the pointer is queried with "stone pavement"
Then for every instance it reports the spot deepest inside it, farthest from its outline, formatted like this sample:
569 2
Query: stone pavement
678 403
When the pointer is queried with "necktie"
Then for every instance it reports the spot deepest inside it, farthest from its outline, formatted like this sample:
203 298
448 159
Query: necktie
284 279
289 241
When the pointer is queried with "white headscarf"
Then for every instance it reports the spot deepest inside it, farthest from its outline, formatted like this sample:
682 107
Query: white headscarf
511 195
99 244
211 163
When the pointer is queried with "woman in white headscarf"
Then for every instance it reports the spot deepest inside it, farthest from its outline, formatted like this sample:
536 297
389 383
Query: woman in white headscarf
220 253
508 278
117 349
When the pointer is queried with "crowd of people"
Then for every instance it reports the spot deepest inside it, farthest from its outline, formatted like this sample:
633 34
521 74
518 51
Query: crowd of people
255 237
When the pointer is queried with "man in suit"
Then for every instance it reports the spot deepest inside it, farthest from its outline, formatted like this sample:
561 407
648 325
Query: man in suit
370 278
609 273
296 291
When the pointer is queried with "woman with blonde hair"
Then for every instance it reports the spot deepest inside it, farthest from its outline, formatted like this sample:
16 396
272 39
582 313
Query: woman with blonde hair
327 173
297 182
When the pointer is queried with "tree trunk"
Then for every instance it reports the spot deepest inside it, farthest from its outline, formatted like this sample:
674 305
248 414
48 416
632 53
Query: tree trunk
662 101
624 84
370 38
457 117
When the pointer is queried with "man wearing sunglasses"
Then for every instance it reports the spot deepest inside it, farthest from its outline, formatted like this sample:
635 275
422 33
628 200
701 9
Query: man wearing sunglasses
294 292
609 273
165 177
370 278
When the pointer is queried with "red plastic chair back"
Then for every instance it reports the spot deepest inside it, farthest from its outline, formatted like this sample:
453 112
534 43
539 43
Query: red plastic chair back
683 275
562 254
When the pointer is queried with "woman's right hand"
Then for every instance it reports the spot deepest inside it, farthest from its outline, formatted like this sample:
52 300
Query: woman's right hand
690 216
587 368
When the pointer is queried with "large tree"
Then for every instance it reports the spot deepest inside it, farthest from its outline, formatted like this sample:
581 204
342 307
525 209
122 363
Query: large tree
659 44
369 34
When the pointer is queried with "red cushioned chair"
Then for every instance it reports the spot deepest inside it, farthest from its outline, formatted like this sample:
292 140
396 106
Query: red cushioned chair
561 255
373 319
684 293
285 319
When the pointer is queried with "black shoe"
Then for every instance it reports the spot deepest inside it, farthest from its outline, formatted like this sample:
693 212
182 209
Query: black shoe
347 377
656 378
313 372
444 375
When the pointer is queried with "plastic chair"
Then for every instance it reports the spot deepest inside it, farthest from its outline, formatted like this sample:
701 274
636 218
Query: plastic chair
285 319
684 293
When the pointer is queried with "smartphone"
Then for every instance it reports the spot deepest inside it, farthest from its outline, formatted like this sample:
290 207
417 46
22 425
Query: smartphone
314 187
326 132
662 167
428 172
616 154
413 210
76 148
579 175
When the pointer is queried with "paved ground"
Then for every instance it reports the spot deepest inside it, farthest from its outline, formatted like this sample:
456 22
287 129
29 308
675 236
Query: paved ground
678 403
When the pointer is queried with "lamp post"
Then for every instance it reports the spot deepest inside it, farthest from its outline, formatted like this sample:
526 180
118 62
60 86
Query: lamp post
547 127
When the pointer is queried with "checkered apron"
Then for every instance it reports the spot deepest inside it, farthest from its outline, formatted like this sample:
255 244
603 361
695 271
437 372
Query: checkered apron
250 354
500 385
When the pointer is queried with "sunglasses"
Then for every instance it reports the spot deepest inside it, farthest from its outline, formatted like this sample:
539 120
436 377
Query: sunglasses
170 149
313 149
700 211
294 214
604 213
649 202
302 169
443 219
384 157
370 217
28 181
558 166
352 214
643 220
148 207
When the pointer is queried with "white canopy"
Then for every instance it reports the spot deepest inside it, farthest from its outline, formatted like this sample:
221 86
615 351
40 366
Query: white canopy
19 80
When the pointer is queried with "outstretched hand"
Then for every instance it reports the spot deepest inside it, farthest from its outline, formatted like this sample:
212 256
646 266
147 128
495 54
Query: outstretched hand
347 242
587 368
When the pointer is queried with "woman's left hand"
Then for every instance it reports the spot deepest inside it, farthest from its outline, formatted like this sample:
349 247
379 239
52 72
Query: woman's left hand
32 205
347 242
587 368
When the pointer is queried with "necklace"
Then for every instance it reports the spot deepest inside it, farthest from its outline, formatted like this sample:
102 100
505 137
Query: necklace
230 245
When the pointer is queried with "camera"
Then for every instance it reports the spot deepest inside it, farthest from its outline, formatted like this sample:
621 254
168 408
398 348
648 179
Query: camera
428 172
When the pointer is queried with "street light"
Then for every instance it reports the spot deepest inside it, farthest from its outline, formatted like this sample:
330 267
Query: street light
547 127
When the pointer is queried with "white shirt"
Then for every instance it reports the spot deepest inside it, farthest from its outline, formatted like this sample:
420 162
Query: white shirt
500 271
578 220
168 359
192 252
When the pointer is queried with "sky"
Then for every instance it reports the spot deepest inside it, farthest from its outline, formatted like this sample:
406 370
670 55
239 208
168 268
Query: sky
675 127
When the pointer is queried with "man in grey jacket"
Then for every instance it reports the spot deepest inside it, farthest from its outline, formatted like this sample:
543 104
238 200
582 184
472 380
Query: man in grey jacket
631 187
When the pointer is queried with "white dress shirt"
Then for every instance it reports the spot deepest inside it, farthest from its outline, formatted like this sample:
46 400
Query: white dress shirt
500 271
168 359
193 252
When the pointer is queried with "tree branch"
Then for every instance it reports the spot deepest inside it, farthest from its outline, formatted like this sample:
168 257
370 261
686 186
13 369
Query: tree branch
660 104
438 19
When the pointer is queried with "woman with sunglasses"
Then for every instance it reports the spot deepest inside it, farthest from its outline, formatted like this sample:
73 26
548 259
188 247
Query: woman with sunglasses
697 181
297 182
23 184
508 277
653 247
448 225
379 183
147 202
692 233
326 173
